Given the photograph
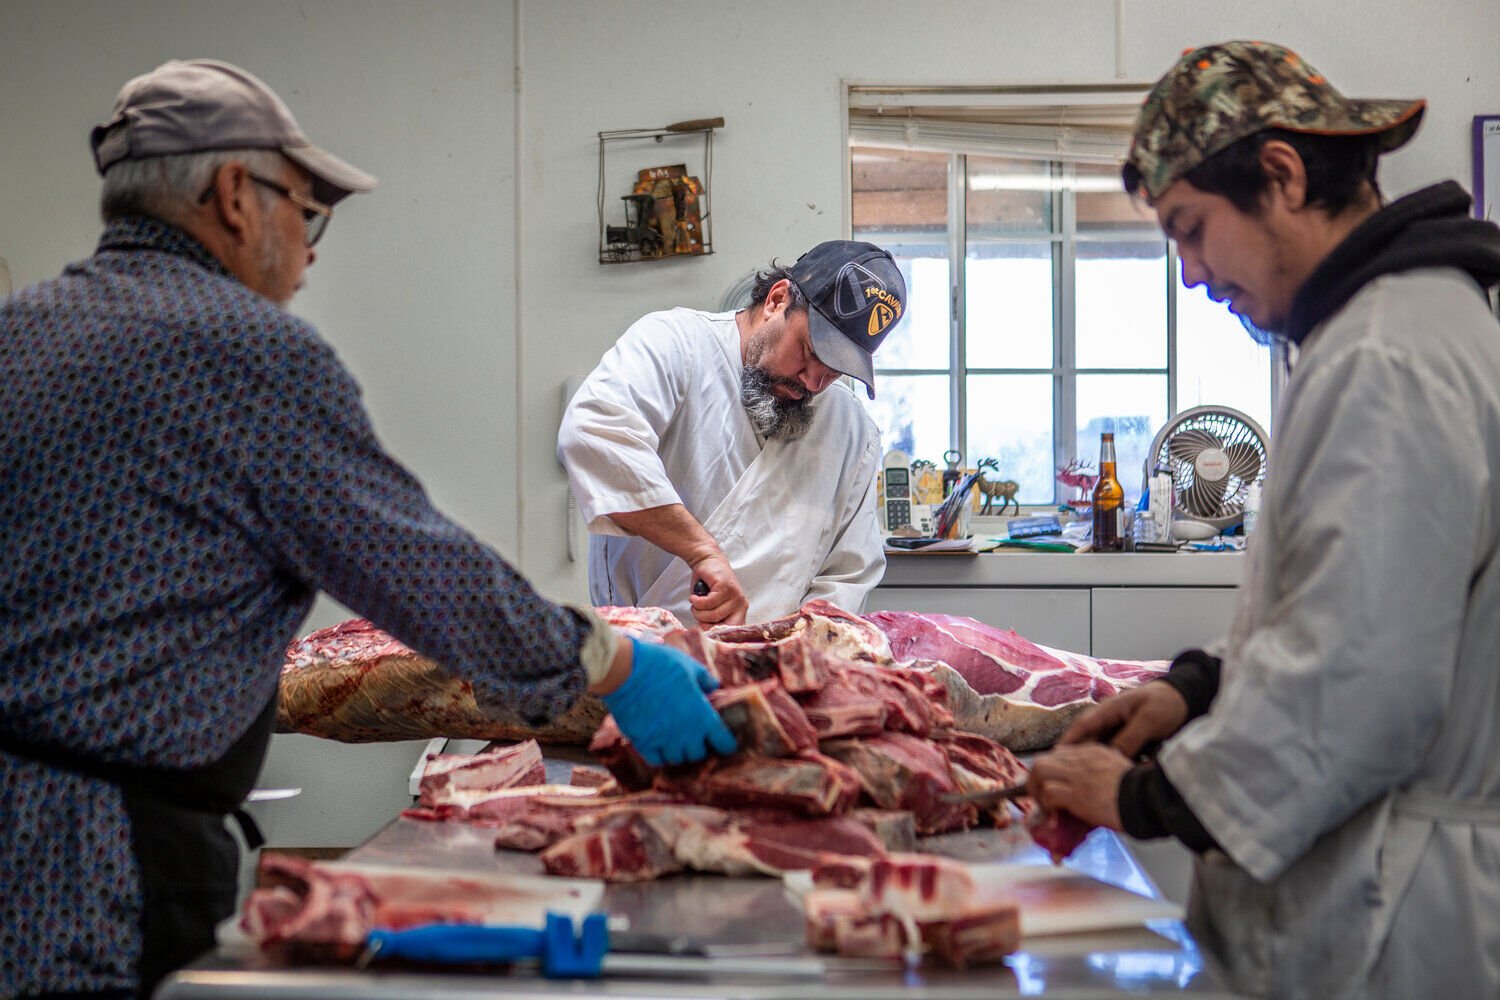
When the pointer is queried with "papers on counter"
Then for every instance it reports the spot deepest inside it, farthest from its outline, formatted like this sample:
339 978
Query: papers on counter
934 546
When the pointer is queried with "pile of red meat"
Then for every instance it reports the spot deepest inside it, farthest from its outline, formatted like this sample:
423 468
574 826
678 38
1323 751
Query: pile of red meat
838 755
355 683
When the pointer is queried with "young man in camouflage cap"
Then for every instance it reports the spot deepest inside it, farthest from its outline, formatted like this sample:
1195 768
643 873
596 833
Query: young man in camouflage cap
1336 762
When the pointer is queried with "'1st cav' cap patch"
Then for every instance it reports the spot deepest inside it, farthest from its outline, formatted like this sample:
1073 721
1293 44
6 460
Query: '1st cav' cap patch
857 290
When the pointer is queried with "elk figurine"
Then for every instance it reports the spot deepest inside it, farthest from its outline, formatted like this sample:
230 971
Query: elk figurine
989 488
926 482
1082 478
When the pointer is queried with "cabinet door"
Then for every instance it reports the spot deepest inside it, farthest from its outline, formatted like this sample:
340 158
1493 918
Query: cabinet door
1157 623
1056 617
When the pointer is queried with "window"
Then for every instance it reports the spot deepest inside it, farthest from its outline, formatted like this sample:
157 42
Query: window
1044 304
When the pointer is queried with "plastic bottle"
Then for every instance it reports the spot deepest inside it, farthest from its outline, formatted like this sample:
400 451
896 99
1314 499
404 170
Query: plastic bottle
1109 500
1252 508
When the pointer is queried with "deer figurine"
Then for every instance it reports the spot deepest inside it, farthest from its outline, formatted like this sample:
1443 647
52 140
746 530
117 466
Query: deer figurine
1079 476
989 488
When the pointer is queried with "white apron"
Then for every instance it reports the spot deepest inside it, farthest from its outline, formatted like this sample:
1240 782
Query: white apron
659 421
775 562
1350 766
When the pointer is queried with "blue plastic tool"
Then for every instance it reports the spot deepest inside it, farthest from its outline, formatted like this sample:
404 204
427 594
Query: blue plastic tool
563 954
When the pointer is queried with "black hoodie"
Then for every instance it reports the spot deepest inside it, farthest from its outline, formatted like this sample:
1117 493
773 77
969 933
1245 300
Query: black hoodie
1427 228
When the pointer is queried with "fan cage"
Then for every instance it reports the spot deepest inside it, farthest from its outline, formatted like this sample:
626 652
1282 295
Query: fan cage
1180 444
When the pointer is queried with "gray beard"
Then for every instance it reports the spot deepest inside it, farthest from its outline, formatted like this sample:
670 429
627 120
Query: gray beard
772 416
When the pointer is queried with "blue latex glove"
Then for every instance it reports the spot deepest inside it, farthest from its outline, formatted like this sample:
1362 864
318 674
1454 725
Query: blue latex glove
662 710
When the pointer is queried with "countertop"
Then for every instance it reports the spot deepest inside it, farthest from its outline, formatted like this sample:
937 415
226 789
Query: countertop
1017 568
745 912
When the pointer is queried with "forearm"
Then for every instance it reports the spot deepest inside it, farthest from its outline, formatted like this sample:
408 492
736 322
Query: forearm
1195 675
616 668
1150 806
672 529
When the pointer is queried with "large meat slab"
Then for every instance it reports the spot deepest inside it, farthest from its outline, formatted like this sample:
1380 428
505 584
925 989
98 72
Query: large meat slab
1002 685
355 683
855 676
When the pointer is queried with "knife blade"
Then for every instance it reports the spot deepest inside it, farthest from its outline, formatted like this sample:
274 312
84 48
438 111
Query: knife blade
989 796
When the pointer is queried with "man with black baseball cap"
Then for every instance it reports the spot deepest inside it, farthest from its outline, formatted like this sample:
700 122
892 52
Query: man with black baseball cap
718 477
1335 761
186 465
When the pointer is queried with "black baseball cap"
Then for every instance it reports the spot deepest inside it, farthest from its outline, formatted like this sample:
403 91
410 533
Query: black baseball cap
855 296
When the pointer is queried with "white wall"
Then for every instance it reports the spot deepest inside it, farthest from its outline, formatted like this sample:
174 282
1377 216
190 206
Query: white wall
423 285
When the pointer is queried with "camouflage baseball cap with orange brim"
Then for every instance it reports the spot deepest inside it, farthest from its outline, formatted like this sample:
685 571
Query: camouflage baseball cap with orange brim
1220 94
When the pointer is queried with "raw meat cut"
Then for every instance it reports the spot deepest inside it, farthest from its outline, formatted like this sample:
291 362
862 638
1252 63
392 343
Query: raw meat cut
906 906
495 806
640 623
1002 685
325 911
809 783
355 683
1059 832
590 777
543 820
901 771
507 767
639 844
864 701
765 720
895 827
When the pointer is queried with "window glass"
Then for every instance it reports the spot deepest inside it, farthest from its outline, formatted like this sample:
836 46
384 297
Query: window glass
1008 197
1120 295
1134 407
900 202
1217 361
1008 302
912 414
1104 207
920 339
1010 420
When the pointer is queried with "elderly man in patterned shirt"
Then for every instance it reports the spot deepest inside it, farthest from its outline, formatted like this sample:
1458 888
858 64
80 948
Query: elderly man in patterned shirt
186 465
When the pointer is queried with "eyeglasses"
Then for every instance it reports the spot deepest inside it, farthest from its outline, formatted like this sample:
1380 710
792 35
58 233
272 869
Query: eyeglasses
315 214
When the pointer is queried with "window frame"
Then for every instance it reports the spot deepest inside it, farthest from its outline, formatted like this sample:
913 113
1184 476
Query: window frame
1065 240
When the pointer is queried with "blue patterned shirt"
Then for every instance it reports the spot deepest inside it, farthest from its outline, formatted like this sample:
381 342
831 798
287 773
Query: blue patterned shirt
184 466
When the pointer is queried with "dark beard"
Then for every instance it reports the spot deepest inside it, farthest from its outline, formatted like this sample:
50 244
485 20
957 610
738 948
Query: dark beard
1265 338
772 416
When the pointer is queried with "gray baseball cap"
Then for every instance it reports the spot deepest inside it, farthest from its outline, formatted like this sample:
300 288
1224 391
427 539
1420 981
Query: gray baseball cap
197 105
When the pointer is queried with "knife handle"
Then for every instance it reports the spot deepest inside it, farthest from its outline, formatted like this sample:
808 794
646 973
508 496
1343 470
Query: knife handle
458 943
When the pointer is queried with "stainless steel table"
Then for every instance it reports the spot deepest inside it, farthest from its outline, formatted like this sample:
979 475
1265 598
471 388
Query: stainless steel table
753 915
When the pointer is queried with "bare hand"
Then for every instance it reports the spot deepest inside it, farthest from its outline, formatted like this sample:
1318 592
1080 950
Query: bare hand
1131 720
725 603
1083 780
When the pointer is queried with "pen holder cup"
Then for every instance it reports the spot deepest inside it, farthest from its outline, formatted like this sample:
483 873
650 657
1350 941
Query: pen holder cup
960 528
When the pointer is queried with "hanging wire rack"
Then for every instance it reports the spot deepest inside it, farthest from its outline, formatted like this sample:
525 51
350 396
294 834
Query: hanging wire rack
625 251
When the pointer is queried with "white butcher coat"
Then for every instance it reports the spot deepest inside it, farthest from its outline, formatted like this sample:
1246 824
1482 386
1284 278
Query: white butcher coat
659 421
1350 766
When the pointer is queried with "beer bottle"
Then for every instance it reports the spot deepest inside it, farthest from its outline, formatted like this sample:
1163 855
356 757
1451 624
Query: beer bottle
1109 500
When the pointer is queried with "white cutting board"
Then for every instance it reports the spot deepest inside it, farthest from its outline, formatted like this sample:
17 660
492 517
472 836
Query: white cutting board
1052 900
1056 900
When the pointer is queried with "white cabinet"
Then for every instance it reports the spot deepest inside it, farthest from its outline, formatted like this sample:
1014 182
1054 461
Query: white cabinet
1129 607
1157 623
